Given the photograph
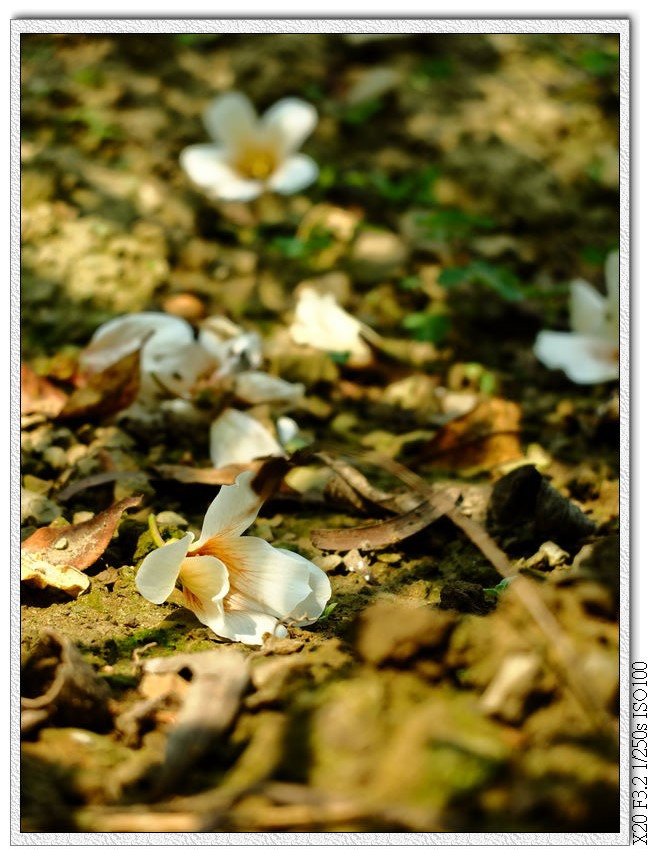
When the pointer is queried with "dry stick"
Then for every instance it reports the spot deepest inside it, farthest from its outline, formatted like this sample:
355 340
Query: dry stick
567 664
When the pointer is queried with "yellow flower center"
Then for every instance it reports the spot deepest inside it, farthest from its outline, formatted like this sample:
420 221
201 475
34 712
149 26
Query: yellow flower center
256 162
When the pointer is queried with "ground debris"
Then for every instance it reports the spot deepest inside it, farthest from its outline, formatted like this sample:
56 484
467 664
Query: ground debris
59 687
392 631
525 510
79 546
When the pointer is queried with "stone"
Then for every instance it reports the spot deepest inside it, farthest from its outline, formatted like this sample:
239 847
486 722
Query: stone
377 255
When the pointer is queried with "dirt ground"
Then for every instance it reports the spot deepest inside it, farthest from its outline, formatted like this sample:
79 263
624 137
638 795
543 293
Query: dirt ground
464 181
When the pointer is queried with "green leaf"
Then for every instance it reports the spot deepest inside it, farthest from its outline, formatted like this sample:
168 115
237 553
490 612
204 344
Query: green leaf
497 277
498 590
427 326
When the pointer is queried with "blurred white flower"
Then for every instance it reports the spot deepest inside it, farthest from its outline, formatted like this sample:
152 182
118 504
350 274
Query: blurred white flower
240 587
237 437
321 323
590 353
171 359
252 154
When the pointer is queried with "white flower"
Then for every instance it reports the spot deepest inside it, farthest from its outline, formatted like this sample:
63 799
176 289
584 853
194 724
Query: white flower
237 437
321 323
233 347
240 587
252 154
171 359
590 354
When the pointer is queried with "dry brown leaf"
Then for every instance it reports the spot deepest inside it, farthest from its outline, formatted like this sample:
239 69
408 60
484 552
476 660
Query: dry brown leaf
107 392
485 437
38 395
209 476
374 536
79 546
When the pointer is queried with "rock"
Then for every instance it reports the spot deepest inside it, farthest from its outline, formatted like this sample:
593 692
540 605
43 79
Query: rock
525 510
185 305
392 631
508 692
548 556
466 597
377 255
37 508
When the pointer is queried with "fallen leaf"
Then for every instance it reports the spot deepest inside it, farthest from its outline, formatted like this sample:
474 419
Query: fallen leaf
208 476
94 481
211 702
374 536
107 392
38 395
37 570
485 437
81 545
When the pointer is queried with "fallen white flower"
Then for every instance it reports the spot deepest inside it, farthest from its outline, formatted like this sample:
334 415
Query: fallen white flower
320 322
233 347
590 353
171 359
240 587
256 387
252 154
237 437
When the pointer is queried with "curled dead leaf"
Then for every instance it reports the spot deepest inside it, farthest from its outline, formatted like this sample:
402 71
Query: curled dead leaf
107 392
487 436
79 546
38 395
36 570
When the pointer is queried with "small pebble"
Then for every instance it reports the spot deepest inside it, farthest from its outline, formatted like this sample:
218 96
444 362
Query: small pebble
185 305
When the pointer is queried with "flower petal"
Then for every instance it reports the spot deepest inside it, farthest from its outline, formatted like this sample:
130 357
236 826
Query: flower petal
230 119
261 577
247 627
294 174
290 121
173 366
587 308
259 387
320 322
233 510
311 608
122 335
287 429
205 585
159 571
206 166
232 346
584 359
236 437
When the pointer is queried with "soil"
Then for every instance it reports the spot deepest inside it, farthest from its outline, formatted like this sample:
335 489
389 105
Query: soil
428 698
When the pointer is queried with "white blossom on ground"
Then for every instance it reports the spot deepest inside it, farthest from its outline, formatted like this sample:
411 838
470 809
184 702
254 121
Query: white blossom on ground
171 358
238 438
320 322
589 354
251 154
242 588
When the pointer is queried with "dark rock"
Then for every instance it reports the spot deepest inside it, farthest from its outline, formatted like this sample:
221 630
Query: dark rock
525 510
465 597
